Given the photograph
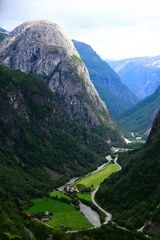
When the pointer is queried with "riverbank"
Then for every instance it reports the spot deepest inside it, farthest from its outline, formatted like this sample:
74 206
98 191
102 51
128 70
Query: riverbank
94 179
68 211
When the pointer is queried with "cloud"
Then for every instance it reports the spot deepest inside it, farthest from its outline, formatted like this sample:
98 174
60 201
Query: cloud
116 28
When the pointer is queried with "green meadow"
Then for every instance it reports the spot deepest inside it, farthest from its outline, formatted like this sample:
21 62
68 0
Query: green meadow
97 178
84 196
60 195
63 214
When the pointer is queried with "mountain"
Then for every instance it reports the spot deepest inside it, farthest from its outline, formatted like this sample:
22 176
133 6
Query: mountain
3 33
2 30
40 146
43 49
53 123
141 75
139 119
114 93
133 194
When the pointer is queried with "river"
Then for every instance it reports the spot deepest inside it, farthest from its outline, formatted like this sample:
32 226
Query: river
91 215
73 180
88 212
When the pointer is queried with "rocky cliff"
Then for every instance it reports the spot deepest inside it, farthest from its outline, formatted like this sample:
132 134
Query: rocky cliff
42 48
114 93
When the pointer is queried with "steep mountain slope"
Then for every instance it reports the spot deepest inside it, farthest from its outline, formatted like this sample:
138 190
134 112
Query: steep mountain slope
133 194
52 127
39 144
35 138
42 48
108 84
35 124
140 118
141 75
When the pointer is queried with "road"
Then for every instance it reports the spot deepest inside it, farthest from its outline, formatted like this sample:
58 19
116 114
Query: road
108 215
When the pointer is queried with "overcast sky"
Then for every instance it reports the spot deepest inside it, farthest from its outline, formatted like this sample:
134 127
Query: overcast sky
116 29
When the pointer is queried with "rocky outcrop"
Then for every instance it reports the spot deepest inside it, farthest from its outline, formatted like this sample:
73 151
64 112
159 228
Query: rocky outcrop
42 48
155 128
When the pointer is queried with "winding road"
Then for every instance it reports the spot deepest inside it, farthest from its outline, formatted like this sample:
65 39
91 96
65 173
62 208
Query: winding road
108 215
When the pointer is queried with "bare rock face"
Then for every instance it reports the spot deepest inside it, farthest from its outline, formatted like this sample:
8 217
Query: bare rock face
155 128
42 48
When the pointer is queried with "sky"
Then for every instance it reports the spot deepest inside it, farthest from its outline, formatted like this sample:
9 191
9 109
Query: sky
115 29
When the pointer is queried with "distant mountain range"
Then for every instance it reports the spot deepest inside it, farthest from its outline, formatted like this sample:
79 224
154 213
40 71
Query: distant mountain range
2 30
139 119
114 93
3 33
141 75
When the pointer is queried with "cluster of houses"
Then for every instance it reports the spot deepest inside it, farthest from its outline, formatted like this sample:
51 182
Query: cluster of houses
42 216
72 189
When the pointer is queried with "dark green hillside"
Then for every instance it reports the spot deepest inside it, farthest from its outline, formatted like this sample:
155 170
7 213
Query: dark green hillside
133 194
108 232
35 125
114 93
139 118
36 135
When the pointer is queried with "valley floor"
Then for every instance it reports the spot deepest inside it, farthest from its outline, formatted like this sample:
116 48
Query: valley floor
64 208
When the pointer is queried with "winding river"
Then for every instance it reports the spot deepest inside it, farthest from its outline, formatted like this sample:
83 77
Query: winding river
88 212
91 215
73 180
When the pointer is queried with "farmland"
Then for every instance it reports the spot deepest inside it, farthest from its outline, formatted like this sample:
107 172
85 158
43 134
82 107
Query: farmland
97 178
60 195
63 214
84 196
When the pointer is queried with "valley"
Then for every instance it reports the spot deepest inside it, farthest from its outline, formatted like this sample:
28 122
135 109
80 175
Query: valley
62 109
76 210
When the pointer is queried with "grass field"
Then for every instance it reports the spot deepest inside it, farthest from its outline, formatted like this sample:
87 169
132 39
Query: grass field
60 195
84 196
97 178
63 214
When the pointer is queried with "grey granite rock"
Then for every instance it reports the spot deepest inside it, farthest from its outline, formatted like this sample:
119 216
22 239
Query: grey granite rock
42 48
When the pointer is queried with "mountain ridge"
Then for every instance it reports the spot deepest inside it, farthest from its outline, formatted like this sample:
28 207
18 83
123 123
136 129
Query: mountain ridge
41 48
140 74
108 84
140 118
